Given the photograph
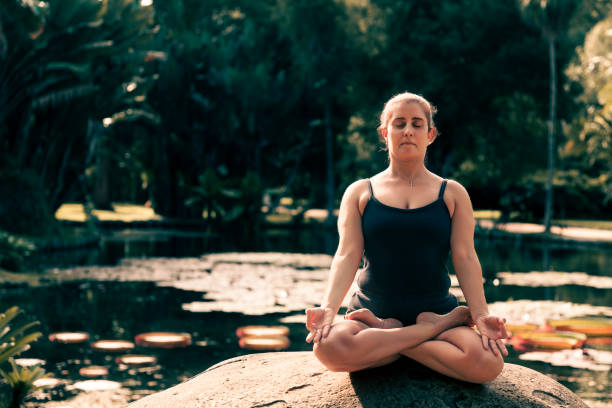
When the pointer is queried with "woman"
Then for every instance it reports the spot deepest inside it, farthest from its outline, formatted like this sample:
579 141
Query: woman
407 219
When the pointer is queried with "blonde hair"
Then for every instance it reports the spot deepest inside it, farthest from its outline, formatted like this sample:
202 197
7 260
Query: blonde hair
407 97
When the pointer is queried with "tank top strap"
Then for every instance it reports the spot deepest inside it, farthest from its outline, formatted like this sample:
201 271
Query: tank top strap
371 191
442 188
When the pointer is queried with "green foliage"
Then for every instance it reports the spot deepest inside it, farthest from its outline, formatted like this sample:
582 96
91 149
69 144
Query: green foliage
225 199
21 380
14 339
589 145
162 97
24 208
14 250
80 62
549 16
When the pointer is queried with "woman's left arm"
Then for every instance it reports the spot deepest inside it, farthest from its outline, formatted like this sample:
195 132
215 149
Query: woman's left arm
469 272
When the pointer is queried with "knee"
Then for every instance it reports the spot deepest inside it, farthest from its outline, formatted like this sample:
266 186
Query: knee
488 366
334 351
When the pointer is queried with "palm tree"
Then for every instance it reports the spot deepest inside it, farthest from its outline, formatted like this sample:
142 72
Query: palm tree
65 64
551 17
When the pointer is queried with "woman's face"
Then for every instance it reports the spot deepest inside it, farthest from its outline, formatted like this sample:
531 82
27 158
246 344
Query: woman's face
407 133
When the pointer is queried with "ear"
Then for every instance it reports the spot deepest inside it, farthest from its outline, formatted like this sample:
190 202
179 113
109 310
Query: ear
383 132
431 135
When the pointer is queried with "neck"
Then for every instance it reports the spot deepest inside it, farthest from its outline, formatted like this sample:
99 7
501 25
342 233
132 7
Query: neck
408 171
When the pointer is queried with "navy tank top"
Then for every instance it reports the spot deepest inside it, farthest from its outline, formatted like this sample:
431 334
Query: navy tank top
406 251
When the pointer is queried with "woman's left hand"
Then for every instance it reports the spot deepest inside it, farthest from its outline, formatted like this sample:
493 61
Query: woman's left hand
492 332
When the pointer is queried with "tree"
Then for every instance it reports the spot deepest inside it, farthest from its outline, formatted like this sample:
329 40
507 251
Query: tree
321 50
591 136
551 17
61 76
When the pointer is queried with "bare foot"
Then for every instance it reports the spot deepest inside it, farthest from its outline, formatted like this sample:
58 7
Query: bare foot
391 323
366 316
456 317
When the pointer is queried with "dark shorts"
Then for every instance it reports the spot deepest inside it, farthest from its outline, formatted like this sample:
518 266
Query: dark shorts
405 310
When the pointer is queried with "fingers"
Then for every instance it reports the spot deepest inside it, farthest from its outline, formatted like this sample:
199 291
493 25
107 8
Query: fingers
493 347
317 336
326 331
485 340
356 313
314 335
502 347
309 319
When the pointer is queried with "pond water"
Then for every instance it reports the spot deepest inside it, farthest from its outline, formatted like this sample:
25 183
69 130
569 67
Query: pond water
140 282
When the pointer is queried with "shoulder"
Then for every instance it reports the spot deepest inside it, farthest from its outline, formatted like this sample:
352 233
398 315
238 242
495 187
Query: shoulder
356 189
456 198
356 195
456 190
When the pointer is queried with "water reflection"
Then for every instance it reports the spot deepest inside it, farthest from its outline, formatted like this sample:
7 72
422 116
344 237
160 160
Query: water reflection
496 255
95 302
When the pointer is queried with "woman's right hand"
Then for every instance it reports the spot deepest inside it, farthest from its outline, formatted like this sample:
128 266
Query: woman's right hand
318 322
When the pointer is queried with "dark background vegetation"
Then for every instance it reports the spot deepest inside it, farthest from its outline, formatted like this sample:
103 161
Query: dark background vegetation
203 106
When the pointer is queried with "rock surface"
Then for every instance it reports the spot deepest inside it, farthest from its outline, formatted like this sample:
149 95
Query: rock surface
297 379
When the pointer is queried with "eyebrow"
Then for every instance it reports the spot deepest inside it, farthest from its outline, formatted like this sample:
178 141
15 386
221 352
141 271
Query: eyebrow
403 118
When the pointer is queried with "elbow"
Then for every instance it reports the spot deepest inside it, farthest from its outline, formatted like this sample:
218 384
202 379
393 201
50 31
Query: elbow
463 256
352 257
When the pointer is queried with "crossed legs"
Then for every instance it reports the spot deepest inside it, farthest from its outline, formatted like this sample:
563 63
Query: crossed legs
440 342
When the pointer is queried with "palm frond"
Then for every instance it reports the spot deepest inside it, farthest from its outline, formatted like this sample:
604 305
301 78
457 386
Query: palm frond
20 345
63 96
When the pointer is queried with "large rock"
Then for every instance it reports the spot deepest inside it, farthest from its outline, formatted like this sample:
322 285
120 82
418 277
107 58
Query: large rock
297 379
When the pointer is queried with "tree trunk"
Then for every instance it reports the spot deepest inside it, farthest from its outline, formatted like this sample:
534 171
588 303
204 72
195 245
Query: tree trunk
3 41
329 162
163 193
101 195
551 133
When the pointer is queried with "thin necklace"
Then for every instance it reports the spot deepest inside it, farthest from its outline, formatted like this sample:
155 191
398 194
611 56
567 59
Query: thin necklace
411 181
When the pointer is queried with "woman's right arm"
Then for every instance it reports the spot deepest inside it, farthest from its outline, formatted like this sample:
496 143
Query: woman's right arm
344 265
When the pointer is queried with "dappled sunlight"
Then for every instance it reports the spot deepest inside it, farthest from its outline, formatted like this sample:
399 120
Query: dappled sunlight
121 212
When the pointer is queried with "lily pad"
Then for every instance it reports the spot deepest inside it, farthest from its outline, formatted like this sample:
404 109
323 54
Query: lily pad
29 362
163 339
112 345
298 261
516 328
93 371
136 360
48 382
95 385
595 360
602 343
69 337
540 311
264 343
550 278
262 331
590 327
548 340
